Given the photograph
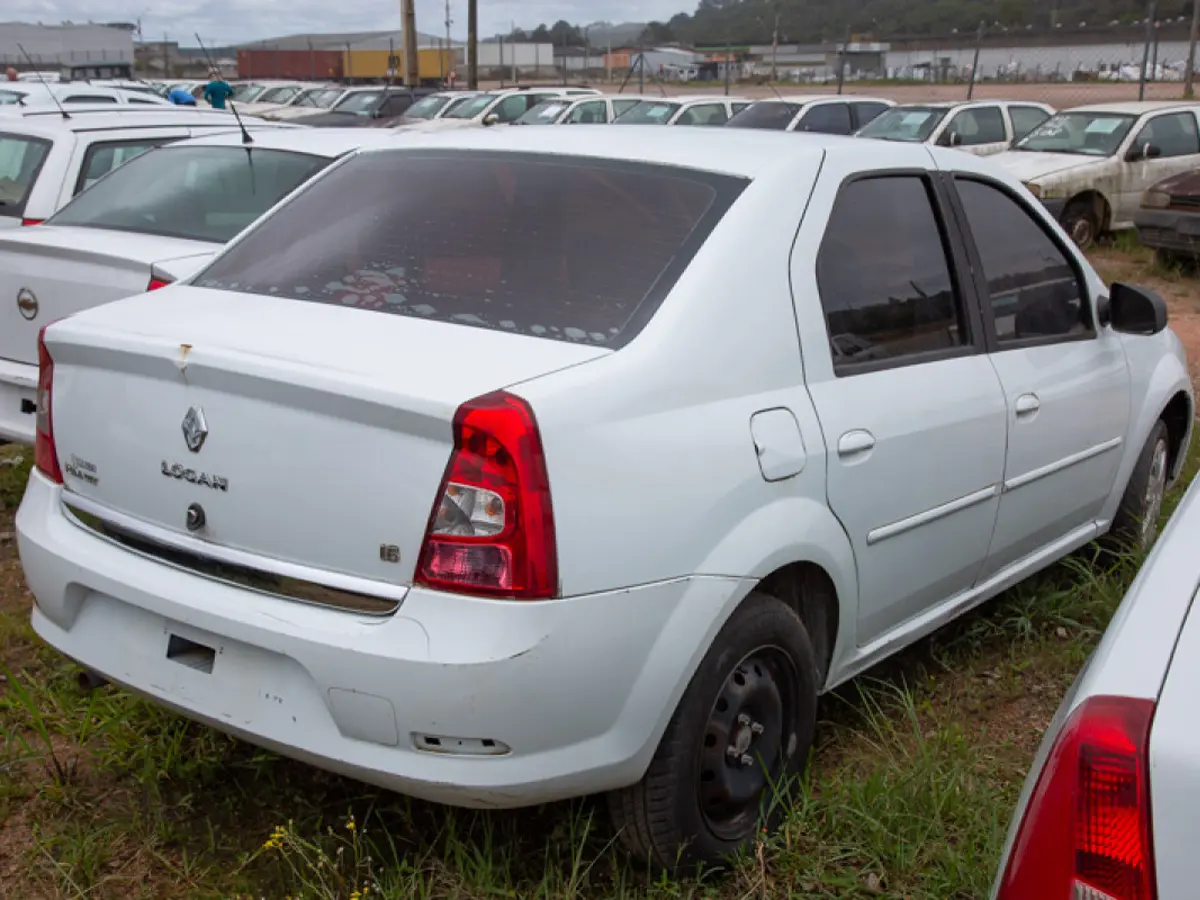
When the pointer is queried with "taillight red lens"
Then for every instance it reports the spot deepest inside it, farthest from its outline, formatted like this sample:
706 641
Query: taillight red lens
45 454
32 221
492 528
1086 831
156 283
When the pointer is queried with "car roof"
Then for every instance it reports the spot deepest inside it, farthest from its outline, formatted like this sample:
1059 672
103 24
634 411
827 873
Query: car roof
327 142
47 120
801 99
1135 107
733 151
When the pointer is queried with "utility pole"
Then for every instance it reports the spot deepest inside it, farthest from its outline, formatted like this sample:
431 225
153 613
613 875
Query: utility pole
774 51
1189 77
1151 10
449 46
412 62
473 44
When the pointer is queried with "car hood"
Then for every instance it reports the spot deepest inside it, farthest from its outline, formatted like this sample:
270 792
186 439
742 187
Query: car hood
337 120
1185 184
440 125
1028 166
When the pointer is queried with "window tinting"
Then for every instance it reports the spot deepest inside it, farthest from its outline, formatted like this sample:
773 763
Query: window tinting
1034 289
867 112
983 125
102 158
1025 119
767 115
197 193
904 303
827 118
1171 135
510 242
21 159
89 98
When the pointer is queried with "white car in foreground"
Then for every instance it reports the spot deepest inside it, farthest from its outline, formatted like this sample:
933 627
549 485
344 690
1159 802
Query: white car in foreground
1109 806
159 218
1090 165
492 521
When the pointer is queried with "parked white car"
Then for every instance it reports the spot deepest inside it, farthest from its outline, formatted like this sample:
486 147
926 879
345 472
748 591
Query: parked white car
829 114
714 111
308 102
1090 165
434 106
578 110
492 521
32 93
159 219
495 108
277 97
45 160
1109 805
982 127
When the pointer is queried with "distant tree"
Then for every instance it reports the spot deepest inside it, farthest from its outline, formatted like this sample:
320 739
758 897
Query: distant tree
541 35
563 33
657 33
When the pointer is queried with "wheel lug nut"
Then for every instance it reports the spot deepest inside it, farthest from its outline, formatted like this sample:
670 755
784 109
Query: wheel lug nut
743 719
756 728
731 752
747 760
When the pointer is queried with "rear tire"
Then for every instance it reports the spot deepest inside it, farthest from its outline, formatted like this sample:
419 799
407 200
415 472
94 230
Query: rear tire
1136 523
1082 223
739 737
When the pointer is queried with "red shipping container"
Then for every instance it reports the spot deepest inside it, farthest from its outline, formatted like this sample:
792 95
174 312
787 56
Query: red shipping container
301 65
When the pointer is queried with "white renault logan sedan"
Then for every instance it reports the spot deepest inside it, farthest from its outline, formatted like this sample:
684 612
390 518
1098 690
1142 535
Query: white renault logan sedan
417 482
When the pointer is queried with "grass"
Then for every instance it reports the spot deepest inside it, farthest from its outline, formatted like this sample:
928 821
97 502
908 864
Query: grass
915 774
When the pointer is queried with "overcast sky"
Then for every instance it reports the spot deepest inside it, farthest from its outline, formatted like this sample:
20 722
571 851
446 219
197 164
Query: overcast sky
236 21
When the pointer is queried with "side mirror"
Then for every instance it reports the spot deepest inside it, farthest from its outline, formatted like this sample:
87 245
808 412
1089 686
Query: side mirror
1136 310
1139 152
491 119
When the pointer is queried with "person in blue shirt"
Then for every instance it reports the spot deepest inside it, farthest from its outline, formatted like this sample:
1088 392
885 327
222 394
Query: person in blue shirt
217 91
181 97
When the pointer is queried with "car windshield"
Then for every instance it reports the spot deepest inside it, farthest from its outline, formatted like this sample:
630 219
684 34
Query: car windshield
545 113
535 237
1083 133
766 116
277 95
200 193
912 124
320 98
472 107
426 107
360 103
648 112
242 93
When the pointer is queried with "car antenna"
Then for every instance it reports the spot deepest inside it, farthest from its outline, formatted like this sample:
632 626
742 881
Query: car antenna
43 82
212 67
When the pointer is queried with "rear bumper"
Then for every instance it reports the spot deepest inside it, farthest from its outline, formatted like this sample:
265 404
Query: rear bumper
579 690
18 393
1177 232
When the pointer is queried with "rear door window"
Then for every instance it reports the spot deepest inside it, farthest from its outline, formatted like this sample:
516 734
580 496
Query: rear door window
982 125
197 193
1025 119
21 160
102 157
704 114
827 118
534 240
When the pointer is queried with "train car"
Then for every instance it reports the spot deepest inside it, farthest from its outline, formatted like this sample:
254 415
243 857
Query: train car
301 65
433 65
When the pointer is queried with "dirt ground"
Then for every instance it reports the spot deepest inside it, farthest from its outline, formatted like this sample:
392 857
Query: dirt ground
1058 95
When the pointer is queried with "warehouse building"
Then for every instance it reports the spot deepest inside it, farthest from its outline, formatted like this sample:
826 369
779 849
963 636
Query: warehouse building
74 51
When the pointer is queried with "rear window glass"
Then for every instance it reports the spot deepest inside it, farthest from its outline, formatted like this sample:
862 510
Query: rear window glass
569 249
766 116
21 159
196 193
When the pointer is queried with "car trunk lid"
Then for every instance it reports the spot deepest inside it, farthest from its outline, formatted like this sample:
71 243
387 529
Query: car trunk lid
326 430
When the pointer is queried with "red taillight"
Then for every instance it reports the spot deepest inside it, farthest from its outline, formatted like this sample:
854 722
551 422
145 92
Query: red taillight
156 283
1086 831
492 528
45 455
32 221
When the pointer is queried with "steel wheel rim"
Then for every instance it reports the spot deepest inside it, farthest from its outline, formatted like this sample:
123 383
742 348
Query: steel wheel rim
1156 485
744 752
1081 231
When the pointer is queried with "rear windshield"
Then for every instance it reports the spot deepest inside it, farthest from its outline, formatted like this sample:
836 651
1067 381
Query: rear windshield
767 116
21 159
565 248
197 193
360 103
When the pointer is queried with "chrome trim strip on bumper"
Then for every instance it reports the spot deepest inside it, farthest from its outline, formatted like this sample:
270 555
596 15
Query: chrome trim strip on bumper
236 568
883 532
1020 481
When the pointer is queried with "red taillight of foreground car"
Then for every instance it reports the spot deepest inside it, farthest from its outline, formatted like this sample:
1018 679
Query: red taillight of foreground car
1086 831
32 221
45 454
492 528
156 283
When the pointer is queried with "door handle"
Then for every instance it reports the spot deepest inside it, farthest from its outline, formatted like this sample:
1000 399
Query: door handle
855 442
1028 404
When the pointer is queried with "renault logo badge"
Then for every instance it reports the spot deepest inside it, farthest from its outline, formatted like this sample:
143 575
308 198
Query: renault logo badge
195 429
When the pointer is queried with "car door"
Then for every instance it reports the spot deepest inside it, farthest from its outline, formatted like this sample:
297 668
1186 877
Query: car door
826 118
979 130
710 114
1066 383
622 105
911 409
593 112
1166 144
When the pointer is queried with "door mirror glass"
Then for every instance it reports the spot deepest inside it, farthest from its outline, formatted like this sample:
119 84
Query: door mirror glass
491 119
1136 310
1138 152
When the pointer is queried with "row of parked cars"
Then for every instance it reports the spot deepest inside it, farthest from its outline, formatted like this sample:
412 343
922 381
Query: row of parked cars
345 441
